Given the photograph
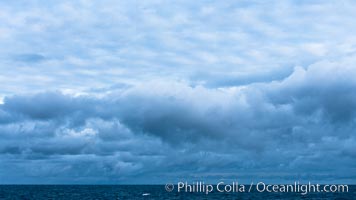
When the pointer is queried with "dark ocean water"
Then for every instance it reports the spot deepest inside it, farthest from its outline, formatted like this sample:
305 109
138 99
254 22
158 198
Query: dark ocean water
68 192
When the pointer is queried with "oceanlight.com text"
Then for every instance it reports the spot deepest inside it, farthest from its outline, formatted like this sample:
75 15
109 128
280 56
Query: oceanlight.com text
235 187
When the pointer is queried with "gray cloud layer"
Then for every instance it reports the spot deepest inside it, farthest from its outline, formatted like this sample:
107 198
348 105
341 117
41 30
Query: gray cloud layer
299 128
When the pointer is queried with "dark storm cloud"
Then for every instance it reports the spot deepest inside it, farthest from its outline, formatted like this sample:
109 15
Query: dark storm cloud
289 129
323 88
46 105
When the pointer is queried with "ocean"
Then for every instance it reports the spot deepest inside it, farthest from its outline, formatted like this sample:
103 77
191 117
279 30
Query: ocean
77 192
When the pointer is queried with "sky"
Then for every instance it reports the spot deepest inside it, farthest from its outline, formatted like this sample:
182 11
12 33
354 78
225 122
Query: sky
150 92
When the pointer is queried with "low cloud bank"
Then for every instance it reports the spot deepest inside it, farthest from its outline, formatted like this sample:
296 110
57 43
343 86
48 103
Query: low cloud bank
302 127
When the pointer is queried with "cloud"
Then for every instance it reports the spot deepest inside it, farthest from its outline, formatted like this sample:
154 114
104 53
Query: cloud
310 90
151 92
87 44
29 58
288 129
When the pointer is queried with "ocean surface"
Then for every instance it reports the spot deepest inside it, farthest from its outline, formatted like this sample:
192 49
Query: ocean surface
77 192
